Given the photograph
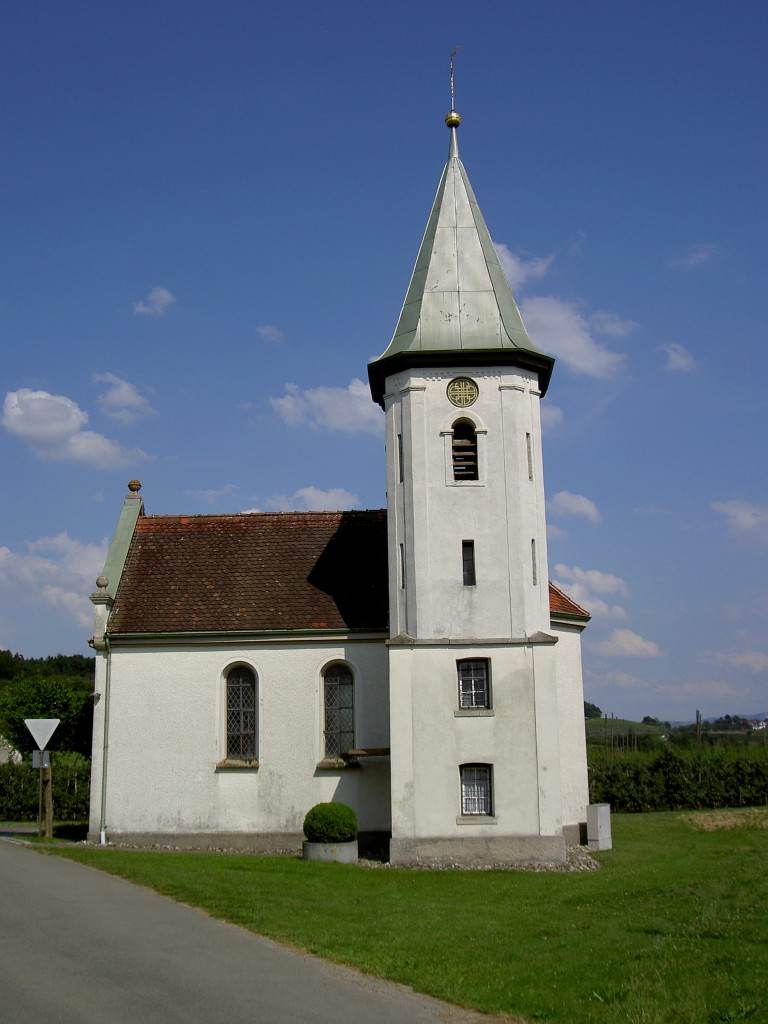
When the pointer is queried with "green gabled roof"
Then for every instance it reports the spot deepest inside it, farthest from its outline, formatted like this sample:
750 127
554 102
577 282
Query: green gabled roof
459 307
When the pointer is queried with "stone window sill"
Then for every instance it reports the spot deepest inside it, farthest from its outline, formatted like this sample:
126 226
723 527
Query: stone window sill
476 819
337 763
233 764
473 712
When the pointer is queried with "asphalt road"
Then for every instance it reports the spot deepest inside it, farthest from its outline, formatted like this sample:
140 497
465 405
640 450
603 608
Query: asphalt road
82 947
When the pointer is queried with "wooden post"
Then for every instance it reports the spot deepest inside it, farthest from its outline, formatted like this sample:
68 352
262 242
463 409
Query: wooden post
48 795
40 798
698 731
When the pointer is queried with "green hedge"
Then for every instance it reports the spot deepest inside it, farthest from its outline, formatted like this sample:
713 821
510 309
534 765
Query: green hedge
71 790
679 779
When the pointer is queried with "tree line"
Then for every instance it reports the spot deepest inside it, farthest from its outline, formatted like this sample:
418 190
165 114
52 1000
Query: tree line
58 686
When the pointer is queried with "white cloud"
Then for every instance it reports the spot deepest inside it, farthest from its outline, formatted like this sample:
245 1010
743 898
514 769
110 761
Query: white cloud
745 520
566 504
59 570
121 400
696 256
312 499
596 581
156 303
268 332
754 661
703 690
679 359
212 494
557 326
626 644
596 607
611 323
347 409
551 417
51 425
625 680
589 586
519 269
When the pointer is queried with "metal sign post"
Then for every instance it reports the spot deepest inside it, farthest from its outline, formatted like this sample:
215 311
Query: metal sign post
42 729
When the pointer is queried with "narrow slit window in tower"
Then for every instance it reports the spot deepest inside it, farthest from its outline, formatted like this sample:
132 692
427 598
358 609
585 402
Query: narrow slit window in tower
468 562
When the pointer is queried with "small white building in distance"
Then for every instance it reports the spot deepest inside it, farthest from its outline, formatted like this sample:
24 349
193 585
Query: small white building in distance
413 662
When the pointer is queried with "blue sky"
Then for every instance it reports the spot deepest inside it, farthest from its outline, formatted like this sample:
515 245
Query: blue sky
210 215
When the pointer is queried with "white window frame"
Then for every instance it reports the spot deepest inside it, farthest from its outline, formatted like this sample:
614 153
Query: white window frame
476 790
476 696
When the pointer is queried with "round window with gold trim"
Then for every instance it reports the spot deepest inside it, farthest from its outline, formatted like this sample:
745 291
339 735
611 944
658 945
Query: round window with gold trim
462 392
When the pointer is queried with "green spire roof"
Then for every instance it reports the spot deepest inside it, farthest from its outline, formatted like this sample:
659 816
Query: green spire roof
459 307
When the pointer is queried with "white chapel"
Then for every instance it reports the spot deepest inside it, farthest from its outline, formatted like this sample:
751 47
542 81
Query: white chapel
413 662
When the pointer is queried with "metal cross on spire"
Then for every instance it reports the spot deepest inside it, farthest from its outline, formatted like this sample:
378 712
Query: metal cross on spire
454 51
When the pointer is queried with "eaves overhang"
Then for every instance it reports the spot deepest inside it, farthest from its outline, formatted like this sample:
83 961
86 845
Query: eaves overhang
257 637
380 369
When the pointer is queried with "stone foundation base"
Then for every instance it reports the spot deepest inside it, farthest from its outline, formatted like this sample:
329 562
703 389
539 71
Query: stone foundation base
478 850
257 842
372 844
575 835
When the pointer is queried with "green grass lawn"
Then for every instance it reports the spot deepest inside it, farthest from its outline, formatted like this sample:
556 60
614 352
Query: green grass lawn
673 928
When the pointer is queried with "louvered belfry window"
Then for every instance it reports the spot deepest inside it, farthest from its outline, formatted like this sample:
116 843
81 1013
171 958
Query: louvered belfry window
339 711
464 451
241 714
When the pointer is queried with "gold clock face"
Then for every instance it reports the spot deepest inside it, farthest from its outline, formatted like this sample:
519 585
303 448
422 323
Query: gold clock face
462 392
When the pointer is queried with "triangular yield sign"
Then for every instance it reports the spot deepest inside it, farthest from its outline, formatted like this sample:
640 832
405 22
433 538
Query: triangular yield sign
42 729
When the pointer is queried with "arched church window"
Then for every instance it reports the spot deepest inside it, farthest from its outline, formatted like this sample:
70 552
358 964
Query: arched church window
338 692
464 447
241 714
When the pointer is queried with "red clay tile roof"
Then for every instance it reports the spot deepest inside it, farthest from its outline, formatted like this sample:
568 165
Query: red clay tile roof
561 604
262 572
265 571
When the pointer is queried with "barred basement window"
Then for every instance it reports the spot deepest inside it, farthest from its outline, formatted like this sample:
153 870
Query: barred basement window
464 450
338 687
476 789
474 684
241 714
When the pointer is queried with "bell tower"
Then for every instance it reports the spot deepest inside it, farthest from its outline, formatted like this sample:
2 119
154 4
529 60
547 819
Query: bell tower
474 705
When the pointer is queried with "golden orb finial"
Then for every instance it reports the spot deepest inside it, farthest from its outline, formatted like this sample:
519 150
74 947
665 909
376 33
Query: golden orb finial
453 120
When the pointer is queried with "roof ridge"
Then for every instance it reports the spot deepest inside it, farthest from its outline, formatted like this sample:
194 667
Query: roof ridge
252 515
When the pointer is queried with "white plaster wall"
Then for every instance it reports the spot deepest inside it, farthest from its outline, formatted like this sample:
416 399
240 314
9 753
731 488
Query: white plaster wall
430 741
573 745
167 736
97 744
431 514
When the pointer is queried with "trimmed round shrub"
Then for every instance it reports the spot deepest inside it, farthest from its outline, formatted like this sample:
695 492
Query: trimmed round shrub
330 823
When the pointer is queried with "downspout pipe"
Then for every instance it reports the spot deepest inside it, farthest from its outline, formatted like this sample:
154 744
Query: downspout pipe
105 745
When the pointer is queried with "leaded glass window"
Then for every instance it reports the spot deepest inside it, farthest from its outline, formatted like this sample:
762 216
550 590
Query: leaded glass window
338 689
476 796
474 688
241 714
